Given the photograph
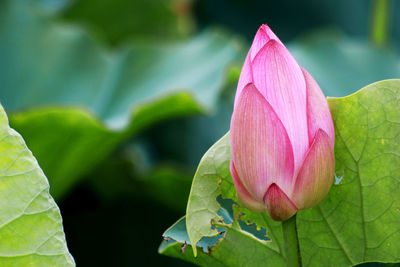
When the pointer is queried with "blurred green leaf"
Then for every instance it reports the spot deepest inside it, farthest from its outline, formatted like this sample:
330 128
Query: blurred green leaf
31 230
106 96
356 223
69 142
116 21
167 184
49 7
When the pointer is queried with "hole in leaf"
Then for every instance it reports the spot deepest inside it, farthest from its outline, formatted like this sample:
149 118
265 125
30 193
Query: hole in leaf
178 233
257 232
226 211
339 179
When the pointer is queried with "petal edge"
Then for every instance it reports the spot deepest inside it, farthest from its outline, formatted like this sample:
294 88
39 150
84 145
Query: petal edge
246 77
280 80
260 146
318 113
315 177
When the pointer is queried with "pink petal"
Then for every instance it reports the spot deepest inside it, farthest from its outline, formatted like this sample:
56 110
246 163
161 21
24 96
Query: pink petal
244 196
278 77
260 146
316 174
246 77
278 205
318 113
263 35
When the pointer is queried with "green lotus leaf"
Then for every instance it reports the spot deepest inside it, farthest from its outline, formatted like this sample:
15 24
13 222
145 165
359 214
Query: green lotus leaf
357 222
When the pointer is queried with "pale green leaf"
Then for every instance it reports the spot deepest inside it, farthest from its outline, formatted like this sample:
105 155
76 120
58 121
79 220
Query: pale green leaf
31 231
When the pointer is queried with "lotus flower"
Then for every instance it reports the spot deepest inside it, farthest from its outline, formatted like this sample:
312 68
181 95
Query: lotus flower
282 134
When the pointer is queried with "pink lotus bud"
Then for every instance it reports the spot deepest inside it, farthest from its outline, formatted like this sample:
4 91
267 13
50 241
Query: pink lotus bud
282 134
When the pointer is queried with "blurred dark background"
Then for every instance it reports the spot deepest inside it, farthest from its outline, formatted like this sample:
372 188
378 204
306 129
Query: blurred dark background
118 209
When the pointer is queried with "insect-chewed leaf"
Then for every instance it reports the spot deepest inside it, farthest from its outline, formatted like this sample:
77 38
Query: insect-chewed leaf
359 220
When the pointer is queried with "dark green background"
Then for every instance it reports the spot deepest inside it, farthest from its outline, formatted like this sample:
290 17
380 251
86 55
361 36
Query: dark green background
117 214
128 227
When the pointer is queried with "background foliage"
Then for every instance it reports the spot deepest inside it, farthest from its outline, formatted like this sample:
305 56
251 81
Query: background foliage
119 100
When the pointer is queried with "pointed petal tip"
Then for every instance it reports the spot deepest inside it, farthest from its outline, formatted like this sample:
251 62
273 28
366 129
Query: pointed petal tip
279 206
267 31
276 47
262 37
264 27
245 198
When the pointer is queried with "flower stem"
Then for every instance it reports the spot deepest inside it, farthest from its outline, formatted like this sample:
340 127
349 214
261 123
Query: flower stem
380 22
291 242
